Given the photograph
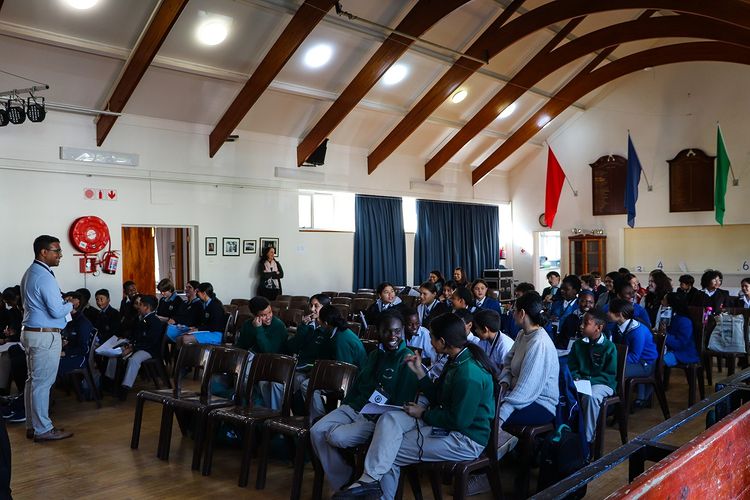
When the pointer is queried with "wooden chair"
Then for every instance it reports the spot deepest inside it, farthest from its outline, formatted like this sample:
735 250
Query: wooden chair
343 309
292 317
527 437
240 302
616 399
410 301
330 294
300 298
279 305
332 378
346 294
190 356
360 305
304 306
243 310
231 309
224 362
86 372
342 300
370 345
264 368
284 298
693 371
655 380
365 290
370 334
156 368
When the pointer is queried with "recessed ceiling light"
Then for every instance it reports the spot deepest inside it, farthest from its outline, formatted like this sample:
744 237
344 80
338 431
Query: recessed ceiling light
81 4
507 111
213 31
395 74
459 96
319 55
543 121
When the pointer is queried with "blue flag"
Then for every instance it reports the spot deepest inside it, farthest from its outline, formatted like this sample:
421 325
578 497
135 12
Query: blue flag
631 182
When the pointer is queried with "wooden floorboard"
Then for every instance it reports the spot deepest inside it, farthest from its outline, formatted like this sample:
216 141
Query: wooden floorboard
98 462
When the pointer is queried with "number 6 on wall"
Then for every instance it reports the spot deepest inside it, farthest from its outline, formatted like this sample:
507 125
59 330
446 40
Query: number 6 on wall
745 266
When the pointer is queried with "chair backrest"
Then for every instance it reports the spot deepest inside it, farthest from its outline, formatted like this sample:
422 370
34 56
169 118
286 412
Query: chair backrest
370 345
229 327
244 310
343 309
493 445
292 317
268 367
622 359
91 357
361 304
333 378
410 301
370 334
231 308
241 318
366 295
330 294
342 300
345 294
240 302
661 349
191 356
284 298
695 314
300 298
225 361
280 304
354 327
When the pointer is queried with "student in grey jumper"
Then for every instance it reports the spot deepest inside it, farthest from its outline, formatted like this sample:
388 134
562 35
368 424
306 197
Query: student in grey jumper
530 369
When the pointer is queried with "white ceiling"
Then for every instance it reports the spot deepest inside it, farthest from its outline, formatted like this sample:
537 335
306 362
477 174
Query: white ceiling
80 54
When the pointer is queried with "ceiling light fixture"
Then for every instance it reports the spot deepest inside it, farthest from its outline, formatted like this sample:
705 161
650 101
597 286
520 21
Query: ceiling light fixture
16 111
35 109
459 96
3 118
318 56
395 74
507 111
213 31
81 4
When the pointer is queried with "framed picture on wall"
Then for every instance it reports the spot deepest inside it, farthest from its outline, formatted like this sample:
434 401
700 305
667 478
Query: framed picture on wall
230 247
248 246
211 243
269 242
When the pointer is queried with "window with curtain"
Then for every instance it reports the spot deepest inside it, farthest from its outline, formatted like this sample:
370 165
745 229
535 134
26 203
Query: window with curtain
379 241
453 235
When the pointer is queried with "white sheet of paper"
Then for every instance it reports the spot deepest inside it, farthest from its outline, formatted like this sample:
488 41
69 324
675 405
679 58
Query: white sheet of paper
375 409
583 386
111 348
68 318
8 345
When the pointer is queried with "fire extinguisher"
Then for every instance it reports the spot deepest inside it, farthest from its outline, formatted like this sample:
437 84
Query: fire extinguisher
109 262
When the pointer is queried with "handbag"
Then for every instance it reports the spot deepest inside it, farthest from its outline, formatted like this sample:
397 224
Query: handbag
729 334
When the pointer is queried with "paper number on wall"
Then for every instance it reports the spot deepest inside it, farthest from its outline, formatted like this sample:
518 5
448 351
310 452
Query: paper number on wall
660 265
745 266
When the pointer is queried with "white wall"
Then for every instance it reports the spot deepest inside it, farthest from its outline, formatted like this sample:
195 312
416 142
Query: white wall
667 109
176 184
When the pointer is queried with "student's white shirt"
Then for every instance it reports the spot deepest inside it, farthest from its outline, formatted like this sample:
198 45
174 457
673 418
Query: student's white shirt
745 302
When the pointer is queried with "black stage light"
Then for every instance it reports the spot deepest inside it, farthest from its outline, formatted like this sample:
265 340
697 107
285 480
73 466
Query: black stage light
16 113
35 109
3 117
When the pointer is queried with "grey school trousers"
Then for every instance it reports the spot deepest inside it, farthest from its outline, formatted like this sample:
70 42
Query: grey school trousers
591 406
394 445
132 367
42 358
342 428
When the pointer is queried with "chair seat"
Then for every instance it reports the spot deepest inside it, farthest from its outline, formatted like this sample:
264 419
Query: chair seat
161 395
641 380
292 425
192 403
244 415
480 462
529 431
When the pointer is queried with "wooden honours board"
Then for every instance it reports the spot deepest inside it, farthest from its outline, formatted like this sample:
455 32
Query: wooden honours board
608 175
691 181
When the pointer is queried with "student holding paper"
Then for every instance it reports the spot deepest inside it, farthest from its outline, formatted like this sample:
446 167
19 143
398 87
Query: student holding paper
593 359
385 371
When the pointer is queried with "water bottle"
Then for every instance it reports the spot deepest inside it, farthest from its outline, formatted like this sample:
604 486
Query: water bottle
707 312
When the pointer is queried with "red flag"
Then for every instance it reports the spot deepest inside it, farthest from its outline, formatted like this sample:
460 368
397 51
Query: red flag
555 179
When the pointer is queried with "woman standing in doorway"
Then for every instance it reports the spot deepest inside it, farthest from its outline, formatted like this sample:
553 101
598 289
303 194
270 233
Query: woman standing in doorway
271 273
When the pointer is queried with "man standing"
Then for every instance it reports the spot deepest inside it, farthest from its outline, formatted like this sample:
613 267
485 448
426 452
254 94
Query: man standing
45 315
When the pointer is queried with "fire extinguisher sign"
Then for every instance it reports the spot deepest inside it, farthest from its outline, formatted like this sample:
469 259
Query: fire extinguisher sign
100 194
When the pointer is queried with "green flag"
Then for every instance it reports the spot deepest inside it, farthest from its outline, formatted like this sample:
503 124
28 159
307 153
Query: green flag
722 172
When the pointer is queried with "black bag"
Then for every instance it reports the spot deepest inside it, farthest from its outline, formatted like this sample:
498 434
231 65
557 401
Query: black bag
561 455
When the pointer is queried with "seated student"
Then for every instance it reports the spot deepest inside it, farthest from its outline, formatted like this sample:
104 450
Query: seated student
90 312
586 281
213 322
659 285
429 307
565 302
170 303
418 339
745 293
384 370
687 290
681 348
145 344
531 369
549 293
460 278
642 352
108 322
387 299
596 285
468 318
594 358
571 328
190 313
463 299
343 344
494 343
623 290
265 333
75 337
13 366
454 426
437 279
508 324
128 311
712 296
481 300
609 292
447 294
639 293
316 304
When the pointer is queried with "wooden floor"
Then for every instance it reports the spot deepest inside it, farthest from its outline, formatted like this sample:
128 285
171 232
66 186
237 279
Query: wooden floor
98 462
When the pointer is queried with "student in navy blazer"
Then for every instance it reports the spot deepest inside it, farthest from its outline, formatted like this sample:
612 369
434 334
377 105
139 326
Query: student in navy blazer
623 290
430 307
681 348
566 301
481 300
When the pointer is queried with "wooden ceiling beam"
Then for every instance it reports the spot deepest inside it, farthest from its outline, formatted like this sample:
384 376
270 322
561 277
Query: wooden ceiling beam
420 18
138 62
585 83
546 63
307 17
735 12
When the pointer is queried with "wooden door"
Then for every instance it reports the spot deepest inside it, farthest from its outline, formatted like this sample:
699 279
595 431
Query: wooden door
138 257
182 256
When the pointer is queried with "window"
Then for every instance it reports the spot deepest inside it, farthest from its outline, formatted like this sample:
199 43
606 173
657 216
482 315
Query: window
409 207
326 211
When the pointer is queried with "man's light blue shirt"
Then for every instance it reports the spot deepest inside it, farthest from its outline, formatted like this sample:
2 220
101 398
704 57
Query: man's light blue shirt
43 305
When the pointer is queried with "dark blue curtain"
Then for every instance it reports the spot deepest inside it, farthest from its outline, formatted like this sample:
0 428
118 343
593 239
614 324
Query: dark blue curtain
453 235
379 241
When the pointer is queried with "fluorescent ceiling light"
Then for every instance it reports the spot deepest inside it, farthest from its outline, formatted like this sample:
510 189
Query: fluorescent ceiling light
459 96
81 4
213 30
543 121
395 74
318 56
508 111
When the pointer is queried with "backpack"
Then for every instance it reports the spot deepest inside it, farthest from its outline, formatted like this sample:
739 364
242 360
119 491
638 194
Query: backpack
561 455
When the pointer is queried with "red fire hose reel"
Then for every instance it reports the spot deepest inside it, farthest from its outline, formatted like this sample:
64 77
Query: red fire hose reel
90 235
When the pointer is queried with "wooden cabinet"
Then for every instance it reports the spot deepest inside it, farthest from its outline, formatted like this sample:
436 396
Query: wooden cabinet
587 253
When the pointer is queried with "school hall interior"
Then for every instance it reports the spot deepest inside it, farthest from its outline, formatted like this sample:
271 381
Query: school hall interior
584 150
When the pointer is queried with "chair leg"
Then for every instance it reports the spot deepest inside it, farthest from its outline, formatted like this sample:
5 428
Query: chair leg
622 422
265 445
137 420
708 363
165 433
198 444
460 482
731 362
317 493
496 486
436 484
208 455
412 474
94 392
299 467
690 373
667 373
601 423
701 384
247 454
659 390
